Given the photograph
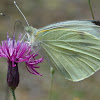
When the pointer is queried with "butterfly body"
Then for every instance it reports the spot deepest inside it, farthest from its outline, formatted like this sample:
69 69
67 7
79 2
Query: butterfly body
72 47
30 31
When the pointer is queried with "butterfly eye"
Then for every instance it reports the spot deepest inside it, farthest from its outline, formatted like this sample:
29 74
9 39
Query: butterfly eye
29 30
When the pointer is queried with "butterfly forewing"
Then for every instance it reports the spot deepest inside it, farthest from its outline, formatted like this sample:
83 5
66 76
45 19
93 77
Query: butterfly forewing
84 26
75 53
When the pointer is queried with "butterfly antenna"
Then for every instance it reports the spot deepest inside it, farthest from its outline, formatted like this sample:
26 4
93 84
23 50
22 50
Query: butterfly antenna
16 22
89 1
15 25
21 12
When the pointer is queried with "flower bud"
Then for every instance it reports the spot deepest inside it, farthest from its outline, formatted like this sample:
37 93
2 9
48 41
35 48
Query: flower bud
12 75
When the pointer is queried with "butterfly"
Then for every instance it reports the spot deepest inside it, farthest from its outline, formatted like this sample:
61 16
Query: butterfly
71 47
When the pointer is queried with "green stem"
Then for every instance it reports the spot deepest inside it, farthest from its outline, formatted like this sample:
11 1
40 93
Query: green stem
52 74
89 1
13 93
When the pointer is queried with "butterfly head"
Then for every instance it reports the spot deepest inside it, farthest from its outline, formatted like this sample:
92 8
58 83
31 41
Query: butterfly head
30 35
30 29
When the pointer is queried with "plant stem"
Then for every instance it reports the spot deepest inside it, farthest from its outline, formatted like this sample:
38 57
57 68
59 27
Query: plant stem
89 1
52 74
13 93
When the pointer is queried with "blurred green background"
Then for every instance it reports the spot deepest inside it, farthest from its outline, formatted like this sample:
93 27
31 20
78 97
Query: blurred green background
41 13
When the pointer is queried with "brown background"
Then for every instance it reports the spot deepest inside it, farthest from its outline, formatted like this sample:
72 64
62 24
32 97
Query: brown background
41 13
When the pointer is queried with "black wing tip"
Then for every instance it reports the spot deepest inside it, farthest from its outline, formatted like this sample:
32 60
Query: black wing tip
96 22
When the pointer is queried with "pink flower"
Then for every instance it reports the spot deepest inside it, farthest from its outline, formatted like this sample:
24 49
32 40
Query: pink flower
15 52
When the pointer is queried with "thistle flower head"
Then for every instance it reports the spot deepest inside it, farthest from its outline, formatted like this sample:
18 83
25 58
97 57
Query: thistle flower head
15 52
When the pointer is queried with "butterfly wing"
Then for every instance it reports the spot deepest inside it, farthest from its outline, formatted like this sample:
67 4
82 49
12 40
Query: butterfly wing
74 52
92 27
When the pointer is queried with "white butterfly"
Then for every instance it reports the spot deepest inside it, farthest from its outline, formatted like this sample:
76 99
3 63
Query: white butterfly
72 47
